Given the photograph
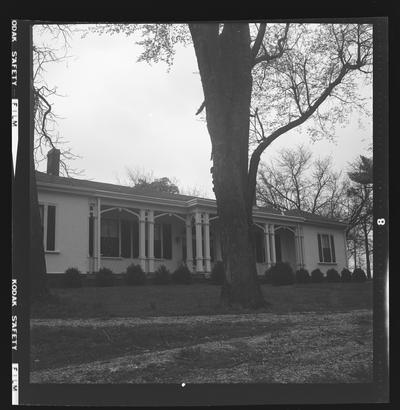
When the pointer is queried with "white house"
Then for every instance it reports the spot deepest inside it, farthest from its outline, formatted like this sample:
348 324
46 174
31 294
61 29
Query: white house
89 225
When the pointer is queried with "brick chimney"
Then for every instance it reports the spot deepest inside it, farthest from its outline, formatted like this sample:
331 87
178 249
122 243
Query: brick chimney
53 162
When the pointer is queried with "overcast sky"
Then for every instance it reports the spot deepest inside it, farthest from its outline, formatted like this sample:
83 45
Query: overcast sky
119 113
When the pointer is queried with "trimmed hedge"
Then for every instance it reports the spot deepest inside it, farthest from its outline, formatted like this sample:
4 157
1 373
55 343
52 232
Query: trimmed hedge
345 275
358 275
182 275
72 278
104 277
134 275
218 273
280 274
317 276
162 276
302 276
332 275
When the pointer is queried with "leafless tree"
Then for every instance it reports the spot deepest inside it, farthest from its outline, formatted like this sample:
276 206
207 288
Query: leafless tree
45 118
296 181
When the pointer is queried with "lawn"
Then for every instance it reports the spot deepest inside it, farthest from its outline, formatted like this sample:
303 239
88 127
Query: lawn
198 299
169 334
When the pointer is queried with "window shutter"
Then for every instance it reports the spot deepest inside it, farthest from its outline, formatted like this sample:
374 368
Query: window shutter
320 248
91 236
333 249
51 227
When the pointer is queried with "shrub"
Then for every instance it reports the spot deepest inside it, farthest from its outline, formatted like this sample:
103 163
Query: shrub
161 276
302 276
358 275
72 278
280 274
134 275
218 273
104 277
317 276
268 276
182 275
345 275
332 275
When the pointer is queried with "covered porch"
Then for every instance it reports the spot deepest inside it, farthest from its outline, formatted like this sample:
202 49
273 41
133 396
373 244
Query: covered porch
122 234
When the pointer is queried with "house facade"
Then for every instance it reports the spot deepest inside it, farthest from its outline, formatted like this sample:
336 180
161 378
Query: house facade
89 225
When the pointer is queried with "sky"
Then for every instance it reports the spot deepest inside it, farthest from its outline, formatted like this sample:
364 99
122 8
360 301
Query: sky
117 113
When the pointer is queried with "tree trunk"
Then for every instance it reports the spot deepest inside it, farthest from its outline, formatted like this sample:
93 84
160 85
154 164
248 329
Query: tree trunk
368 263
355 254
225 64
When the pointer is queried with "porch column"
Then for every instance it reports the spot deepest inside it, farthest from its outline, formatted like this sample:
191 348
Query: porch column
142 239
207 243
150 238
189 245
199 247
98 234
273 253
267 246
297 245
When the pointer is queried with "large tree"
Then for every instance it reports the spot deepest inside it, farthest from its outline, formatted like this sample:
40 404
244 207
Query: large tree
281 75
301 71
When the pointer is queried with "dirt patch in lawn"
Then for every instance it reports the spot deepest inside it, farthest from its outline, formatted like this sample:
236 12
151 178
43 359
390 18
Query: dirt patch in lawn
267 348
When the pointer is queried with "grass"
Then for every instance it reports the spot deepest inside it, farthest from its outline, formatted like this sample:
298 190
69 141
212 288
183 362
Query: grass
197 299
293 348
312 333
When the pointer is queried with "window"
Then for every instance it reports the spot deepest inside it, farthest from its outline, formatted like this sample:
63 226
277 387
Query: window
126 234
162 241
278 247
167 241
109 237
48 220
326 248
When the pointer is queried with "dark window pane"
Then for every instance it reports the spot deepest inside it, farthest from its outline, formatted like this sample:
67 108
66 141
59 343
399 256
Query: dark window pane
333 249
109 237
91 235
135 239
109 246
157 248
41 212
278 250
51 227
125 239
327 255
320 248
167 241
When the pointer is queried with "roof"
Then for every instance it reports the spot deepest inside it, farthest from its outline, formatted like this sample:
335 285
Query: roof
114 188
83 183
311 217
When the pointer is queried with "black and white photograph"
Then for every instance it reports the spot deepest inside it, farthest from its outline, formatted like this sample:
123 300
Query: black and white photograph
200 205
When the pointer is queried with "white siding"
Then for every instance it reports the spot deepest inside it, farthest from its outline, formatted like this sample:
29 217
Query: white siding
71 232
310 245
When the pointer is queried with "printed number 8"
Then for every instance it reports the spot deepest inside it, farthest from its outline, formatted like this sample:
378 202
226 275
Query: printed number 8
381 221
